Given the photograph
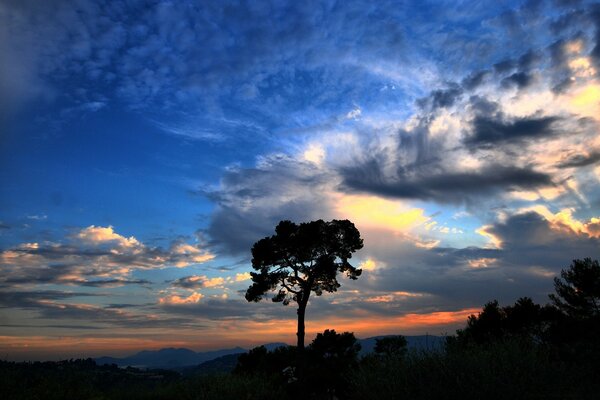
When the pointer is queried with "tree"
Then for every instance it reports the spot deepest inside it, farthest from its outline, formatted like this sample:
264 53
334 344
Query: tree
300 259
525 320
391 346
578 289
330 345
332 357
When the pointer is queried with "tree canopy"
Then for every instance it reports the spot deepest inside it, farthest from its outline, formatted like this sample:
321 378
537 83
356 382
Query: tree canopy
303 258
578 289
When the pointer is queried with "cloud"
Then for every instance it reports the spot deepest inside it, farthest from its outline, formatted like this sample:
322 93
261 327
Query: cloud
442 98
487 131
94 257
174 299
40 217
580 160
251 201
198 281
520 80
95 235
442 187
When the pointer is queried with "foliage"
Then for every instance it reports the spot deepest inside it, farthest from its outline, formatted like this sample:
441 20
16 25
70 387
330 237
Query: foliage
578 290
83 379
391 346
501 370
300 259
260 361
524 320
331 357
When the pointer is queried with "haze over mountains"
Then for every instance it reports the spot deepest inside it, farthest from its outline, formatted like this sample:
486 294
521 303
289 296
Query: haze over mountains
177 358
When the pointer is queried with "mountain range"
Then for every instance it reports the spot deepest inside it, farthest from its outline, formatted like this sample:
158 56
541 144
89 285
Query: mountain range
180 359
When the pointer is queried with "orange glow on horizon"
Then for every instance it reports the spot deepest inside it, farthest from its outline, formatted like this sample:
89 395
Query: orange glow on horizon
229 333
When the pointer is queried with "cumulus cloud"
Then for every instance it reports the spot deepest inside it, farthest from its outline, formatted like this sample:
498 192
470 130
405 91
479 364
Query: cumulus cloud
95 257
99 235
196 281
175 299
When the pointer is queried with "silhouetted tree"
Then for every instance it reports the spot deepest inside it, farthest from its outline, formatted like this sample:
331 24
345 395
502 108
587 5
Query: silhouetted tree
260 361
391 346
578 292
253 361
525 320
300 259
332 356
335 346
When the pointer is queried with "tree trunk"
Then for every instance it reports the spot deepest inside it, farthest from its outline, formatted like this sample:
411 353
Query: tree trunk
301 312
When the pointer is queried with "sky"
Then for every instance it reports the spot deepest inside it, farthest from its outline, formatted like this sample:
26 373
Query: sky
146 145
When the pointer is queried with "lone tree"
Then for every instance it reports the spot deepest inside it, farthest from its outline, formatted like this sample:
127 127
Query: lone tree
300 259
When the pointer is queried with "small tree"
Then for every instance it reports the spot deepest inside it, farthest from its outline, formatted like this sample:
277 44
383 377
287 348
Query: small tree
391 346
332 357
300 259
578 292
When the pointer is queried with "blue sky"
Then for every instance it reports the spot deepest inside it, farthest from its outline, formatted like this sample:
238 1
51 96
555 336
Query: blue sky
146 145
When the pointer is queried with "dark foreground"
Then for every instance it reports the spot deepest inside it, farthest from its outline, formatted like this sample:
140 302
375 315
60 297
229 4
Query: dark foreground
508 370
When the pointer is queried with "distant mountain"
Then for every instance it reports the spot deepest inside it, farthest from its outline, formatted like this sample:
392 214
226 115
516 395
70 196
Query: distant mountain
168 358
209 362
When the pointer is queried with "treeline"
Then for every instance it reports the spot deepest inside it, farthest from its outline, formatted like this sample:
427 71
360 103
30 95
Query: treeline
519 351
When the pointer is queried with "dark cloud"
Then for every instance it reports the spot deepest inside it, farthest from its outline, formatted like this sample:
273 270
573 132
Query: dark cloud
111 282
491 131
31 299
190 282
580 160
442 187
530 240
528 60
519 79
504 66
483 106
122 305
442 98
475 79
